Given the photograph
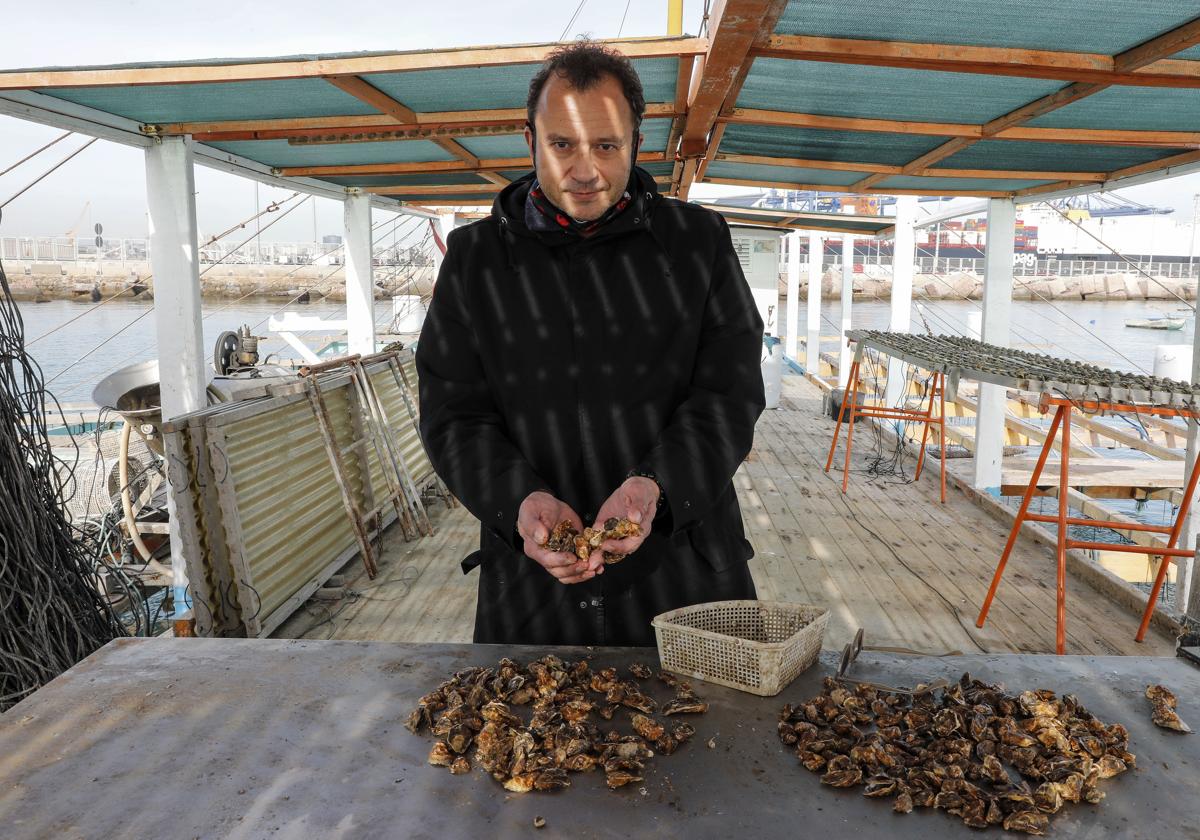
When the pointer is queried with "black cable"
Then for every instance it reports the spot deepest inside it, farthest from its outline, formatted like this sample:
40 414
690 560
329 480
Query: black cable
53 612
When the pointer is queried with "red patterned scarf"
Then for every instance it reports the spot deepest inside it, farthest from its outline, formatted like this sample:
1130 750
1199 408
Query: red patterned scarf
542 215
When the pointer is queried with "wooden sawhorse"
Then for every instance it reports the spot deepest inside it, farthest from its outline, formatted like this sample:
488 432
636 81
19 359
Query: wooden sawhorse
924 416
1061 424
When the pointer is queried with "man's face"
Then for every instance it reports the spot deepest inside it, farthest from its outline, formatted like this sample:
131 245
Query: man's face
583 146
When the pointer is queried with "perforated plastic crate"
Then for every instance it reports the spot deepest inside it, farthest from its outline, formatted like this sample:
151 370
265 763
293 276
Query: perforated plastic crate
753 646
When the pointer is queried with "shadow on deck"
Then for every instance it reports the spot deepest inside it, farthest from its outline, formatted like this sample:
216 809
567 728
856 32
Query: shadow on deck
886 556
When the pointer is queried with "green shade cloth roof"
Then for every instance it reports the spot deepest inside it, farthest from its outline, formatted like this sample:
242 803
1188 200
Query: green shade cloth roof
889 93
1095 26
847 111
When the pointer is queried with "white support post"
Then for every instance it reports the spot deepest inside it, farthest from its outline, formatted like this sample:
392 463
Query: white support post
847 300
997 318
445 222
182 374
816 256
360 282
792 328
904 255
1187 570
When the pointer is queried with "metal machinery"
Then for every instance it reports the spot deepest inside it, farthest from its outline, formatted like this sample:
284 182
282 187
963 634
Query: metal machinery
133 393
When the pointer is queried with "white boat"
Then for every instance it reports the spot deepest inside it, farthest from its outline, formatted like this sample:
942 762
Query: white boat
1157 323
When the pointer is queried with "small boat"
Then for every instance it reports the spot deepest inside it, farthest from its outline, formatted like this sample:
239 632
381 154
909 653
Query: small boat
1157 323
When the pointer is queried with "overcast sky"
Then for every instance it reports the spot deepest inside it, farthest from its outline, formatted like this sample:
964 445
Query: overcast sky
111 177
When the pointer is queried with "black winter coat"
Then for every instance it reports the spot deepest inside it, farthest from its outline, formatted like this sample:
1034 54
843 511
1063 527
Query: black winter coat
550 361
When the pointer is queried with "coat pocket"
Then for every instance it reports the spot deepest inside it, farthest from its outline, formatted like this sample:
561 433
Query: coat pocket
721 547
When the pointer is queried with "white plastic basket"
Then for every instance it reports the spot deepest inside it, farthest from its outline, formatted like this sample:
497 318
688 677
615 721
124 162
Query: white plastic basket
753 646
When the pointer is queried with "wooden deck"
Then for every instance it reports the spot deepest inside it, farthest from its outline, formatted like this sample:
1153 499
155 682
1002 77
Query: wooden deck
886 556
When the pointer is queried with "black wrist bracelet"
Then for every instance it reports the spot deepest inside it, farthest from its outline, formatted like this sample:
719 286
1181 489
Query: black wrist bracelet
662 494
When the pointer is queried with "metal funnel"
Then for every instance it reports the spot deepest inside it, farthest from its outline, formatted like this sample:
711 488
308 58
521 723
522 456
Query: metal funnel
133 393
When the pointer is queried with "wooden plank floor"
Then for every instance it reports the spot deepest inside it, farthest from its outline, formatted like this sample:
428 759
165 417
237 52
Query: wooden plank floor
886 556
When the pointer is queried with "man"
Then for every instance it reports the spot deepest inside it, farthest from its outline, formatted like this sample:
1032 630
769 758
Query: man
592 351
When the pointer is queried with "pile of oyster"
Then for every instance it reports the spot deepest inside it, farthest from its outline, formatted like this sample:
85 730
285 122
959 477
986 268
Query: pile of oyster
564 537
972 750
475 708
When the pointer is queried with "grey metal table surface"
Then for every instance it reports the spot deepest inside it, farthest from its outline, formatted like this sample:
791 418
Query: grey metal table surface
290 738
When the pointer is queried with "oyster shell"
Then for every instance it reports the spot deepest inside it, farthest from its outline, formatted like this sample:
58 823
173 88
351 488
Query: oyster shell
1164 702
685 706
440 755
1029 822
648 728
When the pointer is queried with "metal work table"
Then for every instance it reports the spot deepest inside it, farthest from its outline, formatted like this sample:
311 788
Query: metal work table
276 738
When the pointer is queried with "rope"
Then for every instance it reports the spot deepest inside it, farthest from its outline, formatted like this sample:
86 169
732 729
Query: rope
571 22
624 14
150 309
32 155
1121 256
127 286
41 177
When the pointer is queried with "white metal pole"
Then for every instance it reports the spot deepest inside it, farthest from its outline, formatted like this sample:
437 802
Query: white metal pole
171 199
792 329
816 255
904 254
997 318
360 283
847 300
1187 570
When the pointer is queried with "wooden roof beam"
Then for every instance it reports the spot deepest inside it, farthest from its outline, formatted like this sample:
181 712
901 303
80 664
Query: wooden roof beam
1169 43
356 65
1115 137
834 188
735 27
373 96
426 167
683 82
990 61
449 122
451 189
886 170
1156 165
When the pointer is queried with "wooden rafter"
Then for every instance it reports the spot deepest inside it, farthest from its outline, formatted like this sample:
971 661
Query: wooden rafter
1159 165
885 170
367 93
507 120
990 61
1057 186
427 167
683 82
786 185
494 56
737 26
714 143
433 189
450 189
1112 137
